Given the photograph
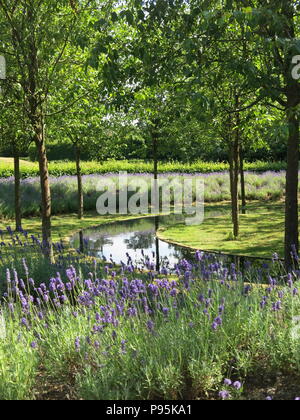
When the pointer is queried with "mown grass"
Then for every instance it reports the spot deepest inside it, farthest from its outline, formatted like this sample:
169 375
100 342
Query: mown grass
261 231
8 162
65 225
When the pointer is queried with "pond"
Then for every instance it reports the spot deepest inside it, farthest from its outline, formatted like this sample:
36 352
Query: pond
137 239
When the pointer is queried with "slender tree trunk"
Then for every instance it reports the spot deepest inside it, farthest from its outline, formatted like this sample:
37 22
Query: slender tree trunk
234 176
156 195
157 253
291 237
45 191
155 155
36 116
234 189
243 189
79 183
18 213
291 200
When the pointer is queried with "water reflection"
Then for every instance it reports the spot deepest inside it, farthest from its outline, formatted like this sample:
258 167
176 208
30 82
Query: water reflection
137 239
134 238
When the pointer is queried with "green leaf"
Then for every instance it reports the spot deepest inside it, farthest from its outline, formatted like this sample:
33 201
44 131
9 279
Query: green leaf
129 17
114 17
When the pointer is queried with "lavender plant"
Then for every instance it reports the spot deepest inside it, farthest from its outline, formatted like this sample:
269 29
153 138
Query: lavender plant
122 332
265 186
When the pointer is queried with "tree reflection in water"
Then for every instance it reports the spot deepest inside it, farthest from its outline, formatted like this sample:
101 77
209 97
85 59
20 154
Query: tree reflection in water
137 240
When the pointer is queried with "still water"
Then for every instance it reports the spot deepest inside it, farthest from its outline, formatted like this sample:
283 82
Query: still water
137 238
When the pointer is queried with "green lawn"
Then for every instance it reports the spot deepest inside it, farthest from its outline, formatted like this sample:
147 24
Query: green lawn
261 231
9 162
63 226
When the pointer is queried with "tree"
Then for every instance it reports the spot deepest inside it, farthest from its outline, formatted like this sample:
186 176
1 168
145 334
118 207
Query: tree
81 118
139 62
272 28
14 137
35 37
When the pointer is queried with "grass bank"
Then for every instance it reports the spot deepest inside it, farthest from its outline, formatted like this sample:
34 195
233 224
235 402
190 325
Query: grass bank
65 225
261 231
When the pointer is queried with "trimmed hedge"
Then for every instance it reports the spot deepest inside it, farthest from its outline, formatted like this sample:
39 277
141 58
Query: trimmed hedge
61 168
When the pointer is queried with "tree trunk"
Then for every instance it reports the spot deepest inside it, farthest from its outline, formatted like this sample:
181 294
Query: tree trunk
36 115
243 189
79 183
156 195
291 199
157 253
18 213
234 142
45 191
234 189
155 155
291 237
236 158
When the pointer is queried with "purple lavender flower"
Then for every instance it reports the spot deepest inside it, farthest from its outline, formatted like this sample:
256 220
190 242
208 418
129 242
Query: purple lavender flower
40 316
24 322
165 311
218 320
277 306
237 385
77 344
201 298
227 382
221 309
214 326
224 395
150 325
